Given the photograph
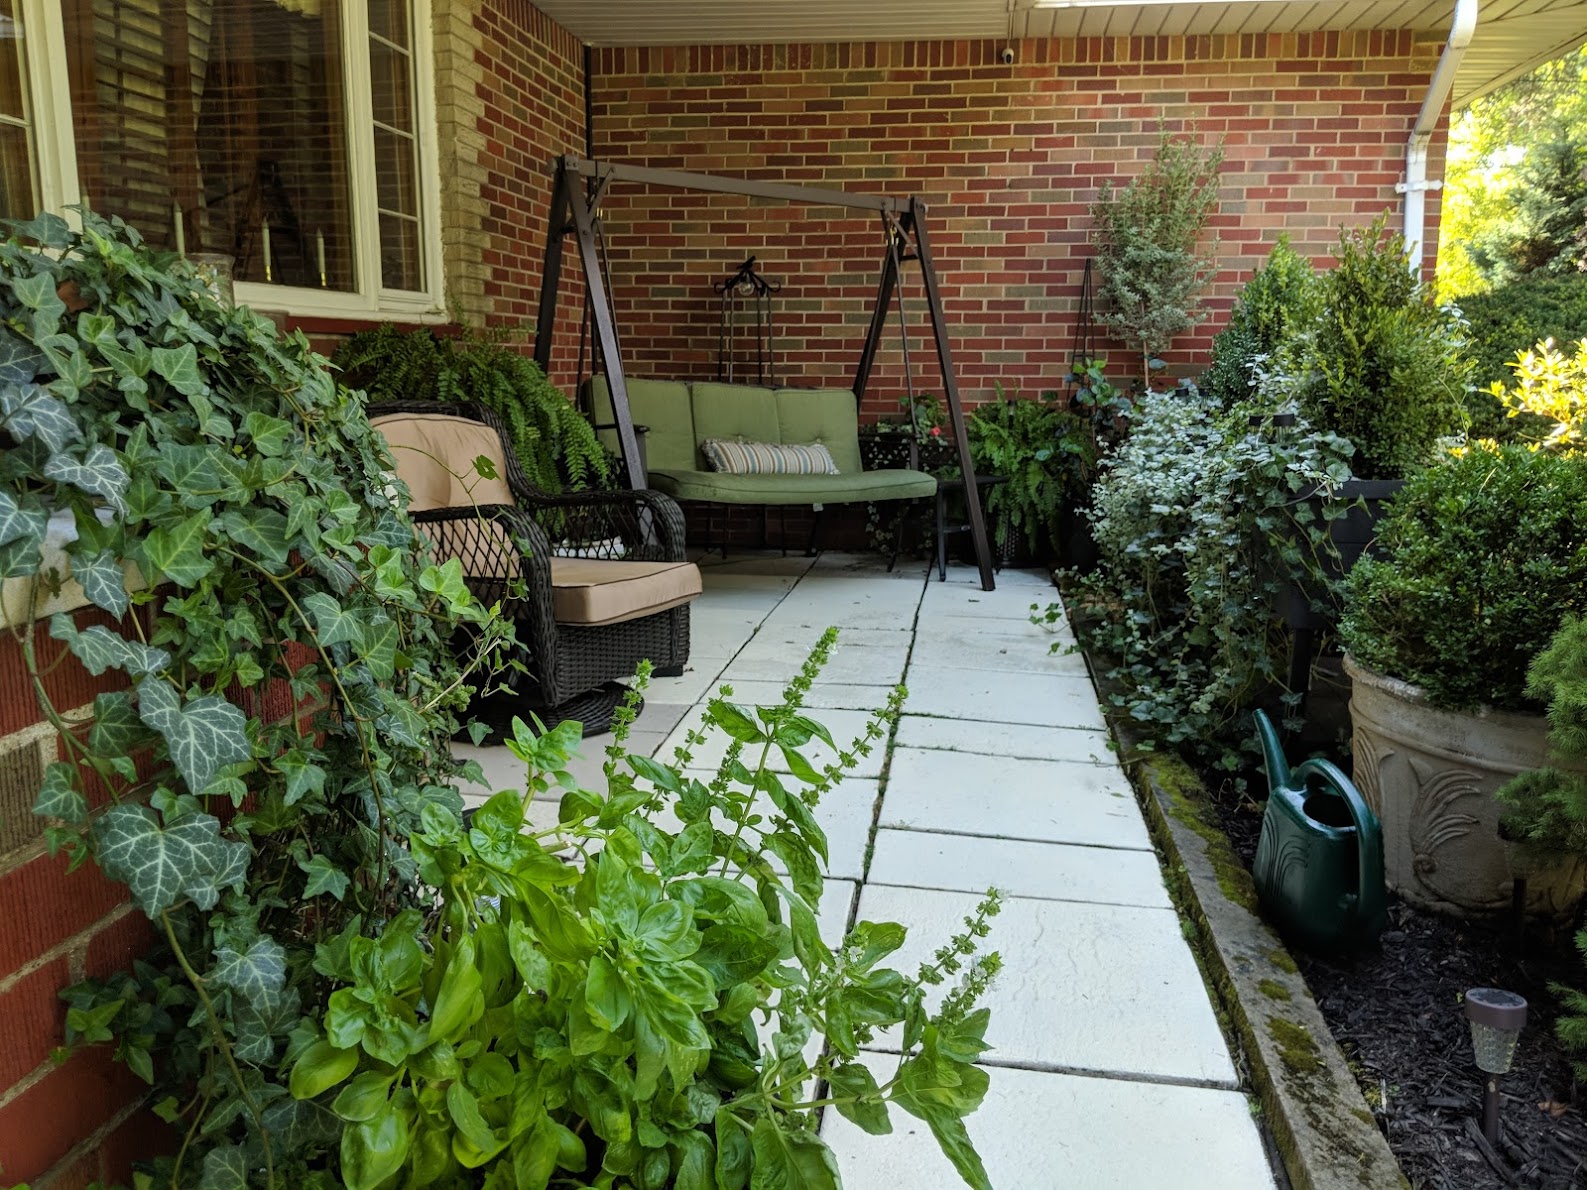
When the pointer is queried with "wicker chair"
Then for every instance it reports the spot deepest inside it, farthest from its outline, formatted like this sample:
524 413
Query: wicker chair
605 581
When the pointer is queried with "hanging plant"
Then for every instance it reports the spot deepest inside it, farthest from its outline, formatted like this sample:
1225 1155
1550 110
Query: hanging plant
554 441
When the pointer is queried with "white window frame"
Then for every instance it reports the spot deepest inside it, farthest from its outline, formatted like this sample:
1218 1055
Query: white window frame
55 157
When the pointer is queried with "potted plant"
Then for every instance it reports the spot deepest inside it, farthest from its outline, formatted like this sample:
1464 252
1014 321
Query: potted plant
1482 557
1103 414
554 441
1033 445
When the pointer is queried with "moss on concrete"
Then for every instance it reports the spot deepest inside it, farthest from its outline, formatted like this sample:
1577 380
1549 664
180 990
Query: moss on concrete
1272 989
1280 959
1297 1048
1188 807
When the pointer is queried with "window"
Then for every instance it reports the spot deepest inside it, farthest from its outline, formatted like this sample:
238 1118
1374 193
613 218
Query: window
19 195
285 134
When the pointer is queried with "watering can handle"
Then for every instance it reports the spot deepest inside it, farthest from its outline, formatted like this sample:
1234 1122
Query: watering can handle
1369 832
1278 774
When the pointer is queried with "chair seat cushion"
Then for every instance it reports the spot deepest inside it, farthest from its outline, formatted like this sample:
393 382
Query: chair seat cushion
723 488
591 591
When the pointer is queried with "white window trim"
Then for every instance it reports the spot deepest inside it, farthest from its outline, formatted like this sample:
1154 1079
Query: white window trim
55 153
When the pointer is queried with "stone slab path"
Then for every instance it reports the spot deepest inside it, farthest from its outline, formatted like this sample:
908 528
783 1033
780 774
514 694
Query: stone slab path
1108 1068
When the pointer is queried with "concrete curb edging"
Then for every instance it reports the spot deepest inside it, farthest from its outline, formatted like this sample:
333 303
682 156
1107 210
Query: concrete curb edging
1326 1134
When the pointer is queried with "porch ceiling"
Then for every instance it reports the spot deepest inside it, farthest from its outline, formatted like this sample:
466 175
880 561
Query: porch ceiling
1512 35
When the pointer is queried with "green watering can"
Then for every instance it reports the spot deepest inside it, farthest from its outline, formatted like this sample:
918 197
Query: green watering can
1319 863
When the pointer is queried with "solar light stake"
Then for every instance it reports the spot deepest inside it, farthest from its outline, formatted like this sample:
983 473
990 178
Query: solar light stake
1497 1018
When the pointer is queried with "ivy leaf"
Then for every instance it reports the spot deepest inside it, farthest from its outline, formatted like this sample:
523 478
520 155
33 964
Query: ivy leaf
20 522
103 581
59 796
379 647
296 1124
100 649
332 624
117 730
324 877
20 361
99 473
160 866
262 530
258 972
31 412
225 1168
177 551
303 777
179 366
271 435
204 736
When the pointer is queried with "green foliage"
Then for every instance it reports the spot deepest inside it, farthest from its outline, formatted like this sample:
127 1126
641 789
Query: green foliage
554 441
1383 365
1515 199
1507 322
1201 520
289 657
1148 239
1548 807
1549 396
1036 446
648 1015
1278 302
1481 558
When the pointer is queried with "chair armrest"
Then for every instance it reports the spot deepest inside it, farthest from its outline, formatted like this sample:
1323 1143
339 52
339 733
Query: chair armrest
642 526
496 545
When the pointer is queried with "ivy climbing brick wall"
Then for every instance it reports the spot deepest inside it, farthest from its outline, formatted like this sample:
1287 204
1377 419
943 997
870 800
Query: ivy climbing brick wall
1012 157
61 1127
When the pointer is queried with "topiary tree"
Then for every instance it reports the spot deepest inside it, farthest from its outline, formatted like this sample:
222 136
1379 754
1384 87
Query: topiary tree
555 442
1148 239
1276 305
1382 364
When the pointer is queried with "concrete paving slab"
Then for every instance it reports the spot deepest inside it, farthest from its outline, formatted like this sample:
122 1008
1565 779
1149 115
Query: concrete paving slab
1039 1131
697 681
1005 739
717 636
1000 797
844 726
995 696
655 718
1007 602
768 562
850 663
790 644
1043 871
850 610
1084 988
1018 648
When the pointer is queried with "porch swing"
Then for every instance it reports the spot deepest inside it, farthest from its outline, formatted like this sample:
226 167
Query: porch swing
681 413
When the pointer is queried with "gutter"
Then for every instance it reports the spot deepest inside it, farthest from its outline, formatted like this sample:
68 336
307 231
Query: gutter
1417 184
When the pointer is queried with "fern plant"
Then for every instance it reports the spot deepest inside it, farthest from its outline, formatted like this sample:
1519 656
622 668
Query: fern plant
555 442
1035 446
1148 238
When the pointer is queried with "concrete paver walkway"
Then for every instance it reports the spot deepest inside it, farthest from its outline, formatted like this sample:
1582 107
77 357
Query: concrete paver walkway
1108 1068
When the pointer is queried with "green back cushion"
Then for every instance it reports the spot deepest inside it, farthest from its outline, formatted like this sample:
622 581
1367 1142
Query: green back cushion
825 415
663 405
744 411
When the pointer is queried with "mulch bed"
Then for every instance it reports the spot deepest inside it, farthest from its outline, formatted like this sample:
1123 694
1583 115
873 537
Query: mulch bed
1396 1014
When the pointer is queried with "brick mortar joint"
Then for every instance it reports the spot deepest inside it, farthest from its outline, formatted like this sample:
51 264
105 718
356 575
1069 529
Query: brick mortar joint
73 949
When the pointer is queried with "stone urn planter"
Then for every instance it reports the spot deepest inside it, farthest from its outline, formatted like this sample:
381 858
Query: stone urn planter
1430 776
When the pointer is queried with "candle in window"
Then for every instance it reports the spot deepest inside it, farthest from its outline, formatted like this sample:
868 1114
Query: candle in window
181 232
264 241
319 255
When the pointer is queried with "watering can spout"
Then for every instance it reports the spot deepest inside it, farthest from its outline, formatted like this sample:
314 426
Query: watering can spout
1278 775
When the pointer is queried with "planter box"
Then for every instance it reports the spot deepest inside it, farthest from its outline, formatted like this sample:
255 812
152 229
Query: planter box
882 452
1430 776
1352 535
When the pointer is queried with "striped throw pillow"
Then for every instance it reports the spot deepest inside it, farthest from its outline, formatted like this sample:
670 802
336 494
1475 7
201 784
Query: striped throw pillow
768 458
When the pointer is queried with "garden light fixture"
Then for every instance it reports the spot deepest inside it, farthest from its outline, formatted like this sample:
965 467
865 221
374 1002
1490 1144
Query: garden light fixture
1497 1018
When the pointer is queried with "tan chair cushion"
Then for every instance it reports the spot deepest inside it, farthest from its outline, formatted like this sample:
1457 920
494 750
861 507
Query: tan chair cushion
589 591
435 454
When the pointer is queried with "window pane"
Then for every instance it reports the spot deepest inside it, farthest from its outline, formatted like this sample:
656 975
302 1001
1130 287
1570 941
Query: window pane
388 79
11 66
389 19
394 173
399 253
218 126
19 197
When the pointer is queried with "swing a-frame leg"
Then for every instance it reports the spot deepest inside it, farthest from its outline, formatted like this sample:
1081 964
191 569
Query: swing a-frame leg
572 213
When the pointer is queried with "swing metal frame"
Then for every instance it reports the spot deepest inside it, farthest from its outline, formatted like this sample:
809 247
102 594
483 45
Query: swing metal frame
575 212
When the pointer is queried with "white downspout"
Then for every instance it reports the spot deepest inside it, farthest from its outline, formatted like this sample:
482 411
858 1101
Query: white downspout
1416 184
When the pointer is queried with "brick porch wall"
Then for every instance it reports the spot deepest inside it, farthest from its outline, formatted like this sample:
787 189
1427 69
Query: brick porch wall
1011 158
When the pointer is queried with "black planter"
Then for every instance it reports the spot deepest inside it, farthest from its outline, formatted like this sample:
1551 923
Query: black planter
1352 536
1077 547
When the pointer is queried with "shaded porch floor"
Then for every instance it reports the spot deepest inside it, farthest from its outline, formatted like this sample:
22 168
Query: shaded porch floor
1108 1068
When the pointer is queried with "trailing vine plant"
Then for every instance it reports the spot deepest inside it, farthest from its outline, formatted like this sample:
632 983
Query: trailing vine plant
352 985
554 441
286 656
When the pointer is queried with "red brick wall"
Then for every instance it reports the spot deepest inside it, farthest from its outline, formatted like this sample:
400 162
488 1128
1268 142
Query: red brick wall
1011 158
60 1126
533 90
